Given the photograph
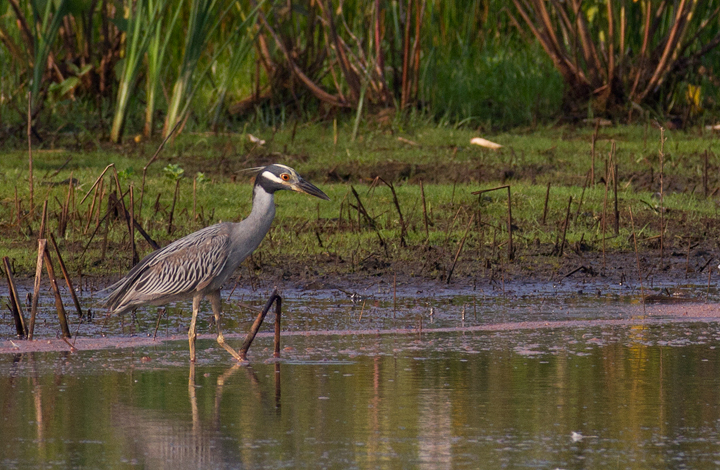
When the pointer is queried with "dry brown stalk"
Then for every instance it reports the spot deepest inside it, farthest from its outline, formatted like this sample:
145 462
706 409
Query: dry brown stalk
42 243
511 251
135 258
460 247
545 206
62 316
662 204
15 305
274 297
425 216
565 226
637 258
608 74
68 281
30 156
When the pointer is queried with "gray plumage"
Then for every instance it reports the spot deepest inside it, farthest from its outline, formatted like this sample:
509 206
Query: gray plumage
198 264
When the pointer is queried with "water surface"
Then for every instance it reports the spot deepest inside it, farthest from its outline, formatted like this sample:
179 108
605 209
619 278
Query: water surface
642 394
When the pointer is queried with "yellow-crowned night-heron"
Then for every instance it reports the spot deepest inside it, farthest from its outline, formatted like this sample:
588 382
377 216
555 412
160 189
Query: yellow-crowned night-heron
197 265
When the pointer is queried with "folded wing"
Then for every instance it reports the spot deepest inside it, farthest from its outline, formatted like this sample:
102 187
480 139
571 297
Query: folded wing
186 265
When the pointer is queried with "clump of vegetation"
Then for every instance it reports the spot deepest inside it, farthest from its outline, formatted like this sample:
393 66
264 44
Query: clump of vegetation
613 53
97 68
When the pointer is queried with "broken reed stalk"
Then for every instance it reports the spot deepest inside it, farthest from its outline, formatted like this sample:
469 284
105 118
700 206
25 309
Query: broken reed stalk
425 216
147 165
592 158
342 206
42 243
68 281
107 221
403 229
122 198
637 259
135 258
256 325
361 210
705 174
511 251
604 217
459 250
545 207
97 180
451 224
16 308
112 203
65 214
582 197
17 209
565 226
172 208
662 210
119 190
662 198
30 156
102 191
43 220
615 187
62 315
92 208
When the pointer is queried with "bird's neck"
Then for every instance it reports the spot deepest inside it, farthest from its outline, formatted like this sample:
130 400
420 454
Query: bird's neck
263 207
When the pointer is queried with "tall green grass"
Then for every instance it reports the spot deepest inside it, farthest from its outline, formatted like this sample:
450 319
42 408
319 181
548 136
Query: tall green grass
475 67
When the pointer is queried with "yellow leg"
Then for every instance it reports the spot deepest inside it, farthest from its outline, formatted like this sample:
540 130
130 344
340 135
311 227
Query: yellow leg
193 326
216 303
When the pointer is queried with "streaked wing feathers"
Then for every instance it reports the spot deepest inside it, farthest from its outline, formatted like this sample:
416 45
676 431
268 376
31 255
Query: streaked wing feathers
185 265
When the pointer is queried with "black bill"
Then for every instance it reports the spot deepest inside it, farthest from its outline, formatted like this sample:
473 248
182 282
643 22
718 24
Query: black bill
309 188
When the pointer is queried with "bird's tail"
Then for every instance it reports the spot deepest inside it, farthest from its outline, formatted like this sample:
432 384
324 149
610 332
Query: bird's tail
113 295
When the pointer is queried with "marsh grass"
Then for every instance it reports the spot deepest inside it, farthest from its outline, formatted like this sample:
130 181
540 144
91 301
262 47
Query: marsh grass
325 238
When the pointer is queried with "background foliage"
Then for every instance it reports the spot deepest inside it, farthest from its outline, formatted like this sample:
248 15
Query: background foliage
107 68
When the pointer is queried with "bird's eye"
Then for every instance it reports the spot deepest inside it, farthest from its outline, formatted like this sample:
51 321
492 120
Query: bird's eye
285 177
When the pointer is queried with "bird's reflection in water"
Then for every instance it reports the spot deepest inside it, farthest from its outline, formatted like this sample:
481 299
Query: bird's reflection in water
160 440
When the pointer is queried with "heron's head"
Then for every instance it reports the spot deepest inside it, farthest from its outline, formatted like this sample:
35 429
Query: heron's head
276 177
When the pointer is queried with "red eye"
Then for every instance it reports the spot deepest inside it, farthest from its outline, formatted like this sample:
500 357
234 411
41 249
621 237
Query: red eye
285 177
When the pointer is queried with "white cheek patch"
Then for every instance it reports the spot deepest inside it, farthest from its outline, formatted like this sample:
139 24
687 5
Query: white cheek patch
272 177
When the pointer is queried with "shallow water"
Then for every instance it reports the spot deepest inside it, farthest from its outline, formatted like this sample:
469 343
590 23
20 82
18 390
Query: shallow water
540 394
